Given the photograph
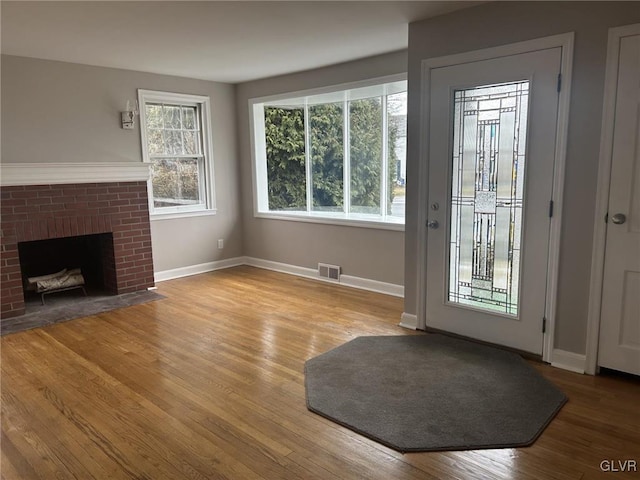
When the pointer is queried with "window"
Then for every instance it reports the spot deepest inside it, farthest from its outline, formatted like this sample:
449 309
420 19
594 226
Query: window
176 142
333 156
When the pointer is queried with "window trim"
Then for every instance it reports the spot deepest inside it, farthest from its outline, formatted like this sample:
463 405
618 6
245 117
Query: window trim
208 187
348 220
258 168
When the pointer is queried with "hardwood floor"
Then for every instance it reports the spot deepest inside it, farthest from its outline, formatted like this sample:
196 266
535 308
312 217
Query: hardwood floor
208 383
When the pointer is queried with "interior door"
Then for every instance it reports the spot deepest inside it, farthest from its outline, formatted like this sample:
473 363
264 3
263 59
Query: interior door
619 346
491 149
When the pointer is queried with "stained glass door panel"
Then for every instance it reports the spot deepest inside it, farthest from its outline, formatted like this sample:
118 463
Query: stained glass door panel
487 195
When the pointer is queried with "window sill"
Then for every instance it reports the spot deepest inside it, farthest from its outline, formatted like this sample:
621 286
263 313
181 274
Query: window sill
171 216
352 220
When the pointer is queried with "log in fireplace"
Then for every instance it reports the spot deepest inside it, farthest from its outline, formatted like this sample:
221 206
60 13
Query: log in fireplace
63 281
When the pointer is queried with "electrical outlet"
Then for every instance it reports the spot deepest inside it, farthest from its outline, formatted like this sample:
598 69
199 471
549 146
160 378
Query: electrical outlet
220 243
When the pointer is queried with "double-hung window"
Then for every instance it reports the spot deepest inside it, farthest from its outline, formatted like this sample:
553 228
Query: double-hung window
175 131
332 156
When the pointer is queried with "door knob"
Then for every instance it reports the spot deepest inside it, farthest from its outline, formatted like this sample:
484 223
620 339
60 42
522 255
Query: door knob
433 224
619 218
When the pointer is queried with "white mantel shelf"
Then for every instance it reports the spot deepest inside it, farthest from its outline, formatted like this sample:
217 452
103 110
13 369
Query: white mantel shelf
12 174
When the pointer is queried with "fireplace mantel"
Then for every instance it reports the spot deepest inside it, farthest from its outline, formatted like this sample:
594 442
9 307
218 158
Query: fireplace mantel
14 174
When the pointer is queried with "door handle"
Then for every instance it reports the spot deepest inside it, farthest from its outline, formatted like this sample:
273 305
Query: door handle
433 224
619 218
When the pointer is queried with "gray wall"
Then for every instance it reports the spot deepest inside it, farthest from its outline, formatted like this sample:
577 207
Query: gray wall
507 22
362 252
65 112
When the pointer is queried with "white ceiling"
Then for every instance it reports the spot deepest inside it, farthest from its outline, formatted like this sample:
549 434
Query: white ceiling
231 41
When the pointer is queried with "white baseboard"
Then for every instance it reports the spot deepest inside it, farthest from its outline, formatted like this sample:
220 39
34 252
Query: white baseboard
372 285
346 280
284 268
409 320
574 362
196 269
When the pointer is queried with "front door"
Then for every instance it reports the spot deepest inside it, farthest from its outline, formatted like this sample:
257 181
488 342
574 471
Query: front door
619 346
492 147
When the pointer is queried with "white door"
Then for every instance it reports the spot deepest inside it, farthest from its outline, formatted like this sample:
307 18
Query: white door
619 346
491 150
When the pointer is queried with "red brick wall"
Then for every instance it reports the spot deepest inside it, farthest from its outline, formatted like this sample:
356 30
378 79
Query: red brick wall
41 212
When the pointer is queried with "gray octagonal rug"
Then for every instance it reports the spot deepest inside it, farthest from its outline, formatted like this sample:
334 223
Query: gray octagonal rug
431 392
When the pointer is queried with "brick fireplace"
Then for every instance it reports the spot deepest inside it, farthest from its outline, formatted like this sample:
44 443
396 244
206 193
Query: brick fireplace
58 210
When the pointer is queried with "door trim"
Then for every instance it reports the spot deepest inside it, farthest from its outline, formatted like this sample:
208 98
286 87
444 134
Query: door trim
565 42
602 193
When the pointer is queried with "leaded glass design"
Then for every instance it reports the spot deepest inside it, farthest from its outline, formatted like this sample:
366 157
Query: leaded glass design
487 195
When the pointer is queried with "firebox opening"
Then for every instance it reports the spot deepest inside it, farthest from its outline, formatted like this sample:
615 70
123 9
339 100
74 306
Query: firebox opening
92 254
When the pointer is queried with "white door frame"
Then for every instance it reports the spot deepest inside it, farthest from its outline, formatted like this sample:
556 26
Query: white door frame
565 41
602 195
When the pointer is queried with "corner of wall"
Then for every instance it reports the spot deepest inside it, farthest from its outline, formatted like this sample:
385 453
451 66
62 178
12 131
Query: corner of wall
574 362
409 320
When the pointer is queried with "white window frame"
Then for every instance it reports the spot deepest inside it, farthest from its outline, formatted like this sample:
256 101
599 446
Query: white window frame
203 104
259 163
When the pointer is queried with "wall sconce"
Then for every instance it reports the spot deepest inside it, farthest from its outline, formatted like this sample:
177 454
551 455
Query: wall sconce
128 116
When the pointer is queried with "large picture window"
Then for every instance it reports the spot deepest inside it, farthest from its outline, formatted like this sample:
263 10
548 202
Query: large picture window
336 156
175 140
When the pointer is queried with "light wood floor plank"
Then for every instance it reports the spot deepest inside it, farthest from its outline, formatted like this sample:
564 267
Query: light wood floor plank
209 383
